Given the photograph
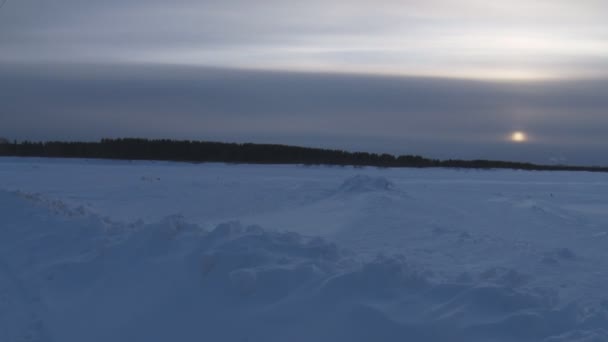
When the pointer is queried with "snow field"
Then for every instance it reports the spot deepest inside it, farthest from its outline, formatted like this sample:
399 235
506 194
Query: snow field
291 253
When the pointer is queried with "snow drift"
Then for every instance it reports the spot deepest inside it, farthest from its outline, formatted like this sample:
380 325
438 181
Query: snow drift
364 183
70 275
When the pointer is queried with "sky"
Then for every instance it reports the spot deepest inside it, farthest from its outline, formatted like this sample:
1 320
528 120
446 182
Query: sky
441 78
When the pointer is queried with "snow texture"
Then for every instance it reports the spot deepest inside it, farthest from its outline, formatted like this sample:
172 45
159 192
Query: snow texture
94 251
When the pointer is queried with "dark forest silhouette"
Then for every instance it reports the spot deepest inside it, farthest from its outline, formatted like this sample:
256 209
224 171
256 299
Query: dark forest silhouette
203 151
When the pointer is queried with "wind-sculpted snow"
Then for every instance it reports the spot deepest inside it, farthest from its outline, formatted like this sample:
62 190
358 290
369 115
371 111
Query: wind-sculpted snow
364 183
82 277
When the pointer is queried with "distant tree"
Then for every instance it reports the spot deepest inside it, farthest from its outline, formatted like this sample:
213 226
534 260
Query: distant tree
208 151
6 149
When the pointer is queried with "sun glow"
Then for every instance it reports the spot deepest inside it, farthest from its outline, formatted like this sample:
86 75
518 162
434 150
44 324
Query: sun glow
518 137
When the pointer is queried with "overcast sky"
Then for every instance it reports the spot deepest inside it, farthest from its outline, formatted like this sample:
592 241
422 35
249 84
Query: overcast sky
448 79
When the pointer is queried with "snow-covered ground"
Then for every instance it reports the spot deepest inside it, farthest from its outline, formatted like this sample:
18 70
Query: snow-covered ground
95 250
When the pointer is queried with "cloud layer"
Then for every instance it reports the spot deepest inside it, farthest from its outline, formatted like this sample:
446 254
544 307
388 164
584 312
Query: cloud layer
519 39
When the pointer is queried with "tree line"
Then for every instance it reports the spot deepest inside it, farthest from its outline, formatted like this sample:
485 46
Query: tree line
205 151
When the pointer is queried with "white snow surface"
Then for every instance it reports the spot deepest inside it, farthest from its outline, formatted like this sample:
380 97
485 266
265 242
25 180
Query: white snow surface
94 250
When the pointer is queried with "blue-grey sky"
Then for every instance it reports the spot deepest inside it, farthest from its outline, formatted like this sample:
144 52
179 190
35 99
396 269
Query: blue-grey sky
443 78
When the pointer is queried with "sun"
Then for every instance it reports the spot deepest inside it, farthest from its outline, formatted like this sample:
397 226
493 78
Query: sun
518 137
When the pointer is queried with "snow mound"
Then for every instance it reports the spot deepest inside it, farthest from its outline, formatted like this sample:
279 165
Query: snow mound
72 279
364 183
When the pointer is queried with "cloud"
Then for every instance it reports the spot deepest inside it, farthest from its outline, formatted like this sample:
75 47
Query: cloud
465 38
